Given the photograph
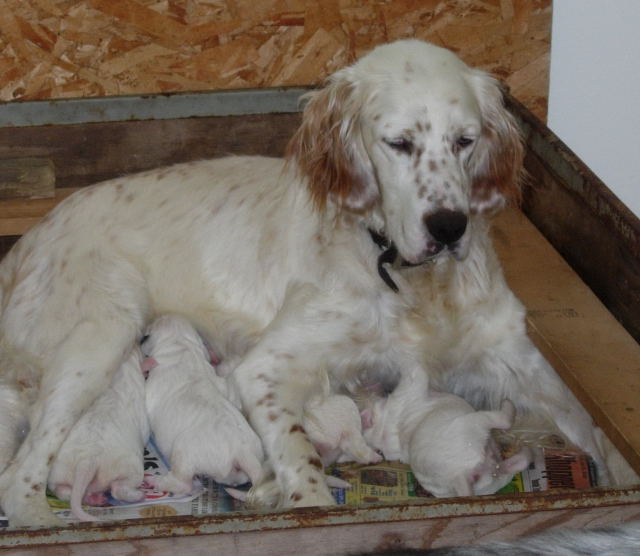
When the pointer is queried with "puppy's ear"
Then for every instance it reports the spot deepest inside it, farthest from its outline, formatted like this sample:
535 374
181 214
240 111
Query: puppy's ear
496 164
328 149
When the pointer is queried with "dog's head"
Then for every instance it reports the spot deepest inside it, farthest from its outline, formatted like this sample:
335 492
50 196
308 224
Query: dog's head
411 131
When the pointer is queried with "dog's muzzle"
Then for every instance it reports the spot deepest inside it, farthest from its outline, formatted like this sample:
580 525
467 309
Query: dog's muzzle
448 229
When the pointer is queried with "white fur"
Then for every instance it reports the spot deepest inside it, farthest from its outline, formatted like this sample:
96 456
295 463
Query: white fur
227 243
447 443
13 423
334 427
104 449
193 422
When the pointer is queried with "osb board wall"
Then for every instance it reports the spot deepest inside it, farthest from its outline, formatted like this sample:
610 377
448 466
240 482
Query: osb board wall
71 48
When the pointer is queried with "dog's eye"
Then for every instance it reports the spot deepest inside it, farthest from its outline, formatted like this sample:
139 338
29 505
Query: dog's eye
400 144
463 142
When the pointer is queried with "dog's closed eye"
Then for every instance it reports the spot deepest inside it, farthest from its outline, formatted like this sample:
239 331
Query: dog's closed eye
400 144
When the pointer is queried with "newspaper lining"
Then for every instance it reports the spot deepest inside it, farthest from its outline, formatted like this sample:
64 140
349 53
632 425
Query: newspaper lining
388 481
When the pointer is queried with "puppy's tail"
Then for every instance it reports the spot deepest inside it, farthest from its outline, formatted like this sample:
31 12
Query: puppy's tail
84 473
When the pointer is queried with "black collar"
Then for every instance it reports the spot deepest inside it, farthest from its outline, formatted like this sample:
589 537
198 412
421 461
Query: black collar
388 256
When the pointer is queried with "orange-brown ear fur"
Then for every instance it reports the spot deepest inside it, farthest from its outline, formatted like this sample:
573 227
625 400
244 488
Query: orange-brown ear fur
324 148
497 167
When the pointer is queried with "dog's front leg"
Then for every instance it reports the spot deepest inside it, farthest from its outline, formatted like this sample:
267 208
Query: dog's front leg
76 375
273 387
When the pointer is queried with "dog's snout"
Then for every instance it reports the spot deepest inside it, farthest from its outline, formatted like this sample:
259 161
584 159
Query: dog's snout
446 226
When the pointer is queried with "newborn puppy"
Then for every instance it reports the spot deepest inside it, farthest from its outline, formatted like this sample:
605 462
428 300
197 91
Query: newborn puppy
447 443
334 427
194 424
104 449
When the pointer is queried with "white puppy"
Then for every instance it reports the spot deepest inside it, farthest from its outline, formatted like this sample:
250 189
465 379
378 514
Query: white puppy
334 427
447 443
104 449
193 422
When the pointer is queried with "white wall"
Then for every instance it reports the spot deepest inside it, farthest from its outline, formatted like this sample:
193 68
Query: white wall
594 97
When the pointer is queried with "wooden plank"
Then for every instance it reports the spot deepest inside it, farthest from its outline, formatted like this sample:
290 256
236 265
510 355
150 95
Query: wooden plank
592 352
17 216
602 253
87 153
583 219
27 178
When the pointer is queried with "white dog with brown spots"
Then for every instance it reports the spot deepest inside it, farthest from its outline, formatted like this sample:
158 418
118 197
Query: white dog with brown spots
382 206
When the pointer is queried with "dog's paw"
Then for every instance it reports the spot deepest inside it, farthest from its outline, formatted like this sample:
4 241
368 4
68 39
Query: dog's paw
30 517
26 506
310 499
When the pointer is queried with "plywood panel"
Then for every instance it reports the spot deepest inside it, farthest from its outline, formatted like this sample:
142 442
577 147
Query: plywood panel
72 48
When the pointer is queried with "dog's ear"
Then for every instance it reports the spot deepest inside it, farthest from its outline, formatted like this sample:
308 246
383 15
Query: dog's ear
328 149
496 163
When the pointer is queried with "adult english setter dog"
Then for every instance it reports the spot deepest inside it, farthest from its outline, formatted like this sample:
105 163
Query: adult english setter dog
364 255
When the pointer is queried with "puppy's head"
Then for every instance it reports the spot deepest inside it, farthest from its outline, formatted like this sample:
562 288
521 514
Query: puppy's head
168 332
412 132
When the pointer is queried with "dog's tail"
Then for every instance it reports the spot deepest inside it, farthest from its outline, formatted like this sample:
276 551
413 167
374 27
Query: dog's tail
84 473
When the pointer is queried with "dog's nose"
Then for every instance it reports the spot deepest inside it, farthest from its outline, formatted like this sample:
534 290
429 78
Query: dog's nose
446 226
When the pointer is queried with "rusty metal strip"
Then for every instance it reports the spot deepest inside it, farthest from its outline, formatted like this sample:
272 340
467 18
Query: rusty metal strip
177 526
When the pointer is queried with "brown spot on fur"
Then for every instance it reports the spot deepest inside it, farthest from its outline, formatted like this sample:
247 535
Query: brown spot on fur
50 459
454 101
419 126
433 165
422 191
36 487
266 398
296 496
315 462
284 356
129 198
273 416
377 117
297 428
313 480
